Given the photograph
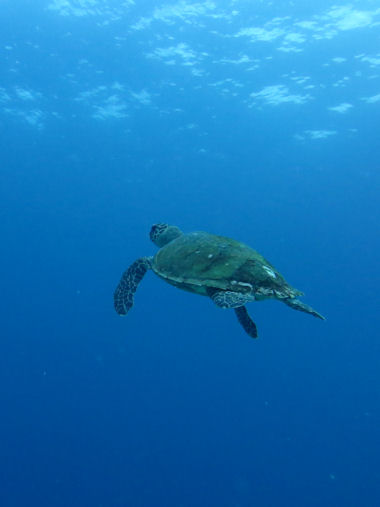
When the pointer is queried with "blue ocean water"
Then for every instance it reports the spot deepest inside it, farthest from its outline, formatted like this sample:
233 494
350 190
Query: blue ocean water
255 120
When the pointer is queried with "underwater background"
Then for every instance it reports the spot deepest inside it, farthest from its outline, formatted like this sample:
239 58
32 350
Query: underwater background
250 119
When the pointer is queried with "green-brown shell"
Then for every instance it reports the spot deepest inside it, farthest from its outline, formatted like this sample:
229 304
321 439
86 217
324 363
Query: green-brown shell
199 260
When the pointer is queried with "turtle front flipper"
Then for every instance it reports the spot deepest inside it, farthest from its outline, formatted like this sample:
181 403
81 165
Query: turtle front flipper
246 322
123 295
298 305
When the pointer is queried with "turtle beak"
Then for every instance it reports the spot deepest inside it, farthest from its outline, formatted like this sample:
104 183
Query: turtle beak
153 231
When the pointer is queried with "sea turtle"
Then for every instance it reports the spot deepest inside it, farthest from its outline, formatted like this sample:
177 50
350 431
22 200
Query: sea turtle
227 271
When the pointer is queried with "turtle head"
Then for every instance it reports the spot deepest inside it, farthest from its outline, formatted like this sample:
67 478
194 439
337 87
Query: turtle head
162 234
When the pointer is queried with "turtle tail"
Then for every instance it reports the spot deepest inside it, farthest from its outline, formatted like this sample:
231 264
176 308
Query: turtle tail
298 305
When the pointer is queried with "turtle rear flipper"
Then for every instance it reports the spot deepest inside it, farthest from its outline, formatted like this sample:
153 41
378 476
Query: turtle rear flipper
246 322
298 305
123 295
228 298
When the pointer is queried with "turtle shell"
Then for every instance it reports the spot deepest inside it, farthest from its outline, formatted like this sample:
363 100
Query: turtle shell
199 260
